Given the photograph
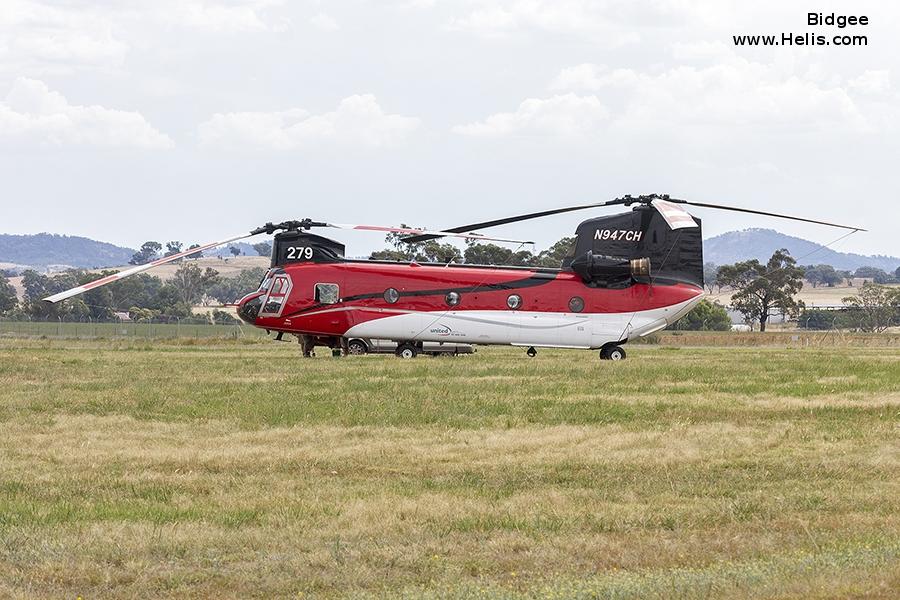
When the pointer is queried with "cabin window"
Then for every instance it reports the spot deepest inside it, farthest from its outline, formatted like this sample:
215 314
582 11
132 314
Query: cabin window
279 289
514 301
452 298
576 304
391 295
327 293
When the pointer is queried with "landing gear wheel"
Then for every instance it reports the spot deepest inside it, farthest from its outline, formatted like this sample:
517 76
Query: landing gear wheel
612 353
531 352
357 347
406 351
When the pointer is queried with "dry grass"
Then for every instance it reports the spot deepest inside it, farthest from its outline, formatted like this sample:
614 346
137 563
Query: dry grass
136 469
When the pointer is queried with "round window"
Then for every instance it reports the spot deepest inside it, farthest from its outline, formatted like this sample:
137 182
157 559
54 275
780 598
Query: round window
452 298
514 301
391 295
576 304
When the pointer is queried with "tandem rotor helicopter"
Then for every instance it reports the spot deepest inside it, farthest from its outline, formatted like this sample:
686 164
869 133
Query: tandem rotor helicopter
628 275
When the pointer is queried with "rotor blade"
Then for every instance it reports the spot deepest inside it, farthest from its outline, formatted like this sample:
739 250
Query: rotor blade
425 233
762 212
139 269
535 215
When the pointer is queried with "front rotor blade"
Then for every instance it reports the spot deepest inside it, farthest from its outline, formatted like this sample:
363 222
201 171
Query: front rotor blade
763 213
139 269
535 215
425 233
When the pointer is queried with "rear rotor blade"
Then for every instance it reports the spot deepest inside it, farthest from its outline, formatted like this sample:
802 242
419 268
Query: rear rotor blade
761 212
427 234
535 215
139 269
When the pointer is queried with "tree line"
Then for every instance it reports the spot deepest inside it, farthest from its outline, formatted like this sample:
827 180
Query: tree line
760 290
141 296
152 250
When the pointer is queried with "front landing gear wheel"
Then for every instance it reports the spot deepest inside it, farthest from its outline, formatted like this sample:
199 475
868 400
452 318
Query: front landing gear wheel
406 351
612 353
531 352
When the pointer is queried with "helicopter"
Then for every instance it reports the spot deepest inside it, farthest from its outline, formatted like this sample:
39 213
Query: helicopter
626 276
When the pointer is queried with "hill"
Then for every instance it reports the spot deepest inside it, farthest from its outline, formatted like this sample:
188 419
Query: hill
51 251
735 246
45 251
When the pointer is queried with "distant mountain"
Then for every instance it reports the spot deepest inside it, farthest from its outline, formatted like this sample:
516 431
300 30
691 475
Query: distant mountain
50 251
735 246
246 250
54 252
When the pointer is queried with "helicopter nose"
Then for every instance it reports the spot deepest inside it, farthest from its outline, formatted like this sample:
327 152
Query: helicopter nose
248 309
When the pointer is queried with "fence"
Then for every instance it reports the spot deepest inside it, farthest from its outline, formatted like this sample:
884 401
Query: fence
142 329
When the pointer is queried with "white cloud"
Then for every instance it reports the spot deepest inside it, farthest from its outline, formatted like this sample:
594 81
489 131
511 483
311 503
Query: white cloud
733 91
872 82
358 120
38 35
34 113
565 115
324 22
212 17
504 18
41 34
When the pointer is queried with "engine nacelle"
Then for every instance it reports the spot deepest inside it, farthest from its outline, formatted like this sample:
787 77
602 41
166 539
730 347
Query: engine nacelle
611 270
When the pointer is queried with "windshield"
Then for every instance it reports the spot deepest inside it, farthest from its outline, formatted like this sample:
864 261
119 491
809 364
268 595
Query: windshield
266 282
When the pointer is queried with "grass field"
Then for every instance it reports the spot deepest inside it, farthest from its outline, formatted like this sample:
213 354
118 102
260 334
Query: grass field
192 468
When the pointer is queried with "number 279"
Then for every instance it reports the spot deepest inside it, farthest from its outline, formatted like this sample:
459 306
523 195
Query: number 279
299 252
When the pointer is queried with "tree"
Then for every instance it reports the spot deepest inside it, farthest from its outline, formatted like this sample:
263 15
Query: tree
235 251
198 254
554 256
710 276
173 248
228 290
38 286
874 308
147 253
491 254
706 316
875 274
428 251
191 283
8 299
263 248
818 319
762 289
897 274
822 275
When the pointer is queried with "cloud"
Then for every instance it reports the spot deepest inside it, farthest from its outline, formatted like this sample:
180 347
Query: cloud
34 113
565 115
358 120
505 18
324 22
733 92
51 36
42 34
207 16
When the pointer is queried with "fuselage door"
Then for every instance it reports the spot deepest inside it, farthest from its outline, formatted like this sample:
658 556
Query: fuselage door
279 290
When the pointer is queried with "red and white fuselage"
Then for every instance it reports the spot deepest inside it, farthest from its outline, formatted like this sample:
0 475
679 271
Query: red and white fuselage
477 305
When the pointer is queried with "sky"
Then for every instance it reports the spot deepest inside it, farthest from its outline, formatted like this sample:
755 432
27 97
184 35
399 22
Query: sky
195 120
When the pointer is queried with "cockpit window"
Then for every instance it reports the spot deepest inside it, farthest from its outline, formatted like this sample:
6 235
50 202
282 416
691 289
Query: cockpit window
279 288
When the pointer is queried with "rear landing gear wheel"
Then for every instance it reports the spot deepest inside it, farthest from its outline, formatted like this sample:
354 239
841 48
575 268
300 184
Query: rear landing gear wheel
406 351
612 353
357 347
531 352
